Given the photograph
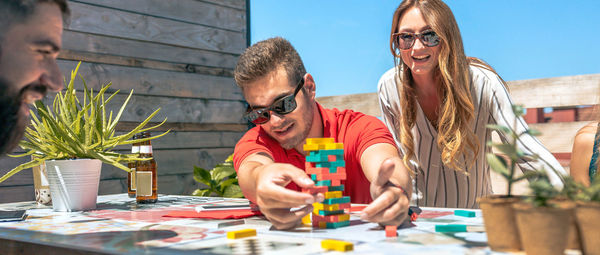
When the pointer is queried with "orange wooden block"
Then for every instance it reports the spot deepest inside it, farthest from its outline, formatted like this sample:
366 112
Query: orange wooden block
317 170
316 189
336 183
331 218
390 231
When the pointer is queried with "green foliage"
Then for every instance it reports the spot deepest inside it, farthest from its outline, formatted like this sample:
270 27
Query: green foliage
221 181
591 193
512 152
74 129
542 191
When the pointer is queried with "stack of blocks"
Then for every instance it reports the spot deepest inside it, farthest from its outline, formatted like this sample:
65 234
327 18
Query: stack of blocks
326 167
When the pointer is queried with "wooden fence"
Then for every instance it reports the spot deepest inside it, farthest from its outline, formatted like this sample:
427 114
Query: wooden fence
176 55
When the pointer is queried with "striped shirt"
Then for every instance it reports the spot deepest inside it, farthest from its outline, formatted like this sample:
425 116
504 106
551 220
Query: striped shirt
438 185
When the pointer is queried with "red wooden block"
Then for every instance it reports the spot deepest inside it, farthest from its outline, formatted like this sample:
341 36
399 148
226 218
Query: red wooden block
340 170
331 158
390 231
315 190
317 170
336 183
344 206
309 165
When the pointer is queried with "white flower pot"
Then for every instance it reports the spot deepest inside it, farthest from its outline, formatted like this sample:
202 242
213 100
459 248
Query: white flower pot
73 183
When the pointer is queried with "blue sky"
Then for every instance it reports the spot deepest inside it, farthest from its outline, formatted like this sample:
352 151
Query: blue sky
344 44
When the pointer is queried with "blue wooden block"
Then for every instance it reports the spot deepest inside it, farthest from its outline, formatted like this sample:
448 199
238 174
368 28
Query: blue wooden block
331 164
339 200
317 158
464 213
323 183
336 188
325 213
338 224
337 152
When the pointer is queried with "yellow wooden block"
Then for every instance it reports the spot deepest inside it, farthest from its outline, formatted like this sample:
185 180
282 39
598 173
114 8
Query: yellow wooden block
311 147
333 194
306 219
337 245
325 207
344 217
322 224
333 146
241 233
319 140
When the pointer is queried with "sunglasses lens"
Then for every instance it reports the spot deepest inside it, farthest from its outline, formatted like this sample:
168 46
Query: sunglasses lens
405 41
258 117
430 39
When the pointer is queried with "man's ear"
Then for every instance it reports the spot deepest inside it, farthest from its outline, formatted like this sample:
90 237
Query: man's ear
309 85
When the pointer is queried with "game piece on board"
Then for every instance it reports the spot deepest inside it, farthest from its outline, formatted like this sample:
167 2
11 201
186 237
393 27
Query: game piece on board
337 245
390 231
241 233
464 213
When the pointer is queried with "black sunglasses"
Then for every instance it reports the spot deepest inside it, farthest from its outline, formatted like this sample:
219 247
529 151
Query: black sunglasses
282 106
405 40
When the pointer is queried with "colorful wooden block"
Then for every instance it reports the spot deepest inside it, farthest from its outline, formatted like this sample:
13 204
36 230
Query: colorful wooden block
391 231
338 152
340 200
337 245
335 183
306 219
320 140
331 164
317 170
317 158
241 233
316 189
323 224
334 146
323 183
464 213
326 213
336 188
311 147
332 194
321 206
331 218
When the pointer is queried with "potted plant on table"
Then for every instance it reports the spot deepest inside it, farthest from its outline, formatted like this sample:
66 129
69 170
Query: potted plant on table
73 138
497 210
587 215
545 220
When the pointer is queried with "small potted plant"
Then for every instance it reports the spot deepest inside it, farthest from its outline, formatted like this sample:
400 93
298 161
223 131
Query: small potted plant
587 216
497 210
545 220
73 138
220 181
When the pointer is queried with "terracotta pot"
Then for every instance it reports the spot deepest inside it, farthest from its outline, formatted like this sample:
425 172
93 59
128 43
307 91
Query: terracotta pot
544 230
499 221
588 220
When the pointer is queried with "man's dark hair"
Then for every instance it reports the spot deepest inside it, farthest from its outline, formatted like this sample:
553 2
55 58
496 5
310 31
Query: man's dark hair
266 56
17 11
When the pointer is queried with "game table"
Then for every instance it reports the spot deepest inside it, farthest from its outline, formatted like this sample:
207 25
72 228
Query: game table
120 226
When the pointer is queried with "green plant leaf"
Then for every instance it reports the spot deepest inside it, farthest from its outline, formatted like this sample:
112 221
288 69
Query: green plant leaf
233 191
220 173
497 164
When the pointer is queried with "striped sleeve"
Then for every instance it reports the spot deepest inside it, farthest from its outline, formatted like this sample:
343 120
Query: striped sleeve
502 114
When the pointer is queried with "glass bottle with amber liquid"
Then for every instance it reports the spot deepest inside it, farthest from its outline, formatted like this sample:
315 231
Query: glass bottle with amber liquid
135 149
145 174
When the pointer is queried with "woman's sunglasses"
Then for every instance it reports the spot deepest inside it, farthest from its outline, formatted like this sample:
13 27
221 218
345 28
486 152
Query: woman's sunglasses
405 40
282 106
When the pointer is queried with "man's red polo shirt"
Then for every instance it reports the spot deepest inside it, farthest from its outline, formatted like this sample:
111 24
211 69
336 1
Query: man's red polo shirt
356 130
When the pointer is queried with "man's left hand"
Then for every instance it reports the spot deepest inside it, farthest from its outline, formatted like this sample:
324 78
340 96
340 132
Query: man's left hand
390 202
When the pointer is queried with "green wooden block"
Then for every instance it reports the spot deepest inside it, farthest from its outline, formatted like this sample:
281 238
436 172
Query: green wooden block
328 152
336 188
323 183
325 213
331 164
317 158
339 200
464 213
338 224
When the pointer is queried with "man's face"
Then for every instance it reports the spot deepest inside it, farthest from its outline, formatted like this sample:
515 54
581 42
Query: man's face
290 129
28 68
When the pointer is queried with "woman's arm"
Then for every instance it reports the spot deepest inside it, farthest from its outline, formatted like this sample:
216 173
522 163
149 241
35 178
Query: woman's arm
581 155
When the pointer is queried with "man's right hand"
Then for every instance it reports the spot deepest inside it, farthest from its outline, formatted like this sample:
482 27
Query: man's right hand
275 201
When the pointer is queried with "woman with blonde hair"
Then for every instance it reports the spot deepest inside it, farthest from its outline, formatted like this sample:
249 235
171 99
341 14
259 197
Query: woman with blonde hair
436 101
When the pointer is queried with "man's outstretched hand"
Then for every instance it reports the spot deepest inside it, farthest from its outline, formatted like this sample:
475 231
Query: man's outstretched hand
275 201
390 202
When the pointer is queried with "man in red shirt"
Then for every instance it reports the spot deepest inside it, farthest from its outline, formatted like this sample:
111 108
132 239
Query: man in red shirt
270 158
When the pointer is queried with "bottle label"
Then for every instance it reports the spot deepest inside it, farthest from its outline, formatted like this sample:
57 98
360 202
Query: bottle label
132 178
144 184
146 149
135 149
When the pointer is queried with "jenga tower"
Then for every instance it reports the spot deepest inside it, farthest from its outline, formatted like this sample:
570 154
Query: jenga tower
326 167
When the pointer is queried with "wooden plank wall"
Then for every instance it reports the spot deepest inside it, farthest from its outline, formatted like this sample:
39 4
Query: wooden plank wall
176 55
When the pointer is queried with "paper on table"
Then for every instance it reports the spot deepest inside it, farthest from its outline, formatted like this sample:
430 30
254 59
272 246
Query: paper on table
214 214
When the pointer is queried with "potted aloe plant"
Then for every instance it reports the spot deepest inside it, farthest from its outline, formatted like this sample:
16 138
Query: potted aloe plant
73 138
497 210
545 220
587 215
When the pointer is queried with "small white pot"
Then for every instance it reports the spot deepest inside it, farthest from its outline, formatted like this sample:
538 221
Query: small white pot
73 183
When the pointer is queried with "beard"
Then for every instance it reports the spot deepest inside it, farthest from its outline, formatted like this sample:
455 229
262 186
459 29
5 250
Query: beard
307 117
14 120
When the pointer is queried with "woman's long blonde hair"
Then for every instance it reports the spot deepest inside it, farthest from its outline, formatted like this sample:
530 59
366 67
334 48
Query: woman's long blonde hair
455 137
